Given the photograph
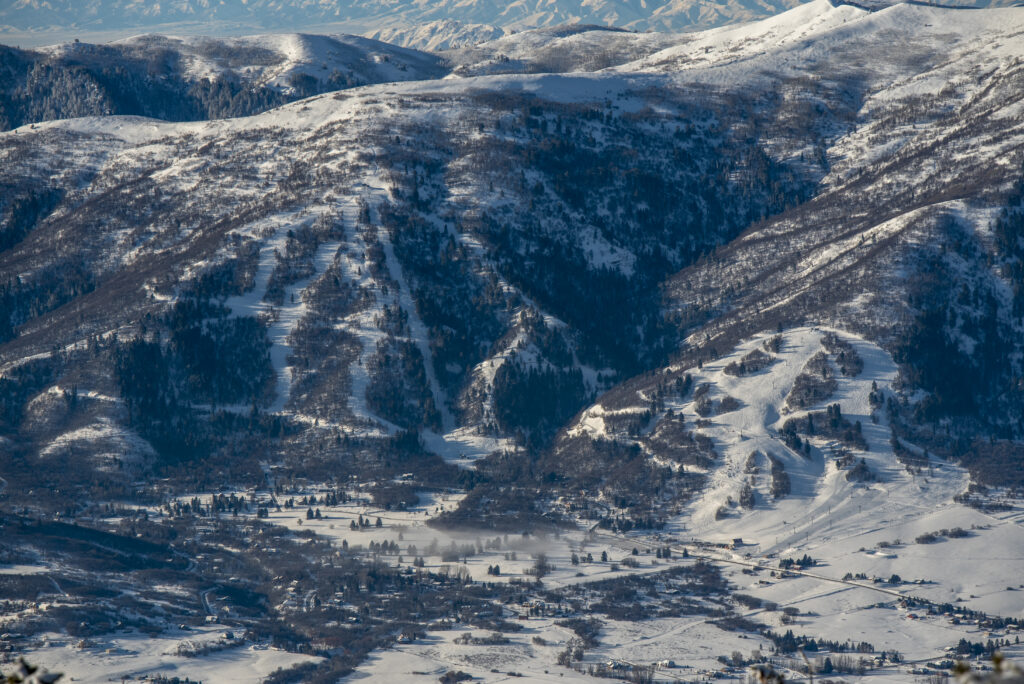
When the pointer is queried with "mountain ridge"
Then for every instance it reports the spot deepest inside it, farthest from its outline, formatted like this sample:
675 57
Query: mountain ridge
667 15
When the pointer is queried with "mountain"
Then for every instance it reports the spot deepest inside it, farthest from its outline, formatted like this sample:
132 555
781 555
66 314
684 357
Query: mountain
911 238
184 79
560 49
368 242
394 19
197 78
443 34
416 235
740 311
374 15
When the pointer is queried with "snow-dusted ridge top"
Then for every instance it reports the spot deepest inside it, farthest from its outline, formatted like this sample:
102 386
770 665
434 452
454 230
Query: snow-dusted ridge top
443 34
800 38
369 16
278 61
790 43
328 108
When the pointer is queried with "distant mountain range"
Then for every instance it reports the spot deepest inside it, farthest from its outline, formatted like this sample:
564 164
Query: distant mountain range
438 25
381 15
294 14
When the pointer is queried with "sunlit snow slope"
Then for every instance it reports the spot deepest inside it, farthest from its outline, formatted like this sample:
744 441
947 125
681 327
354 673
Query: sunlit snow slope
857 506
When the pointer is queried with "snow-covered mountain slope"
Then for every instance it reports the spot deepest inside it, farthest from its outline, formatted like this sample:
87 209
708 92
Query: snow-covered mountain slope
906 240
909 224
789 473
377 244
911 38
443 34
814 25
373 15
558 50
188 78
480 256
278 60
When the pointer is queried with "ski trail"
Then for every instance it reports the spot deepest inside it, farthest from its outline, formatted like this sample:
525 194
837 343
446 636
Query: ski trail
417 329
284 318
375 189
287 316
361 324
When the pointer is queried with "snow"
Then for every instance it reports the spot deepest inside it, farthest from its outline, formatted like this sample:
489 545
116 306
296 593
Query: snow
273 60
464 445
133 656
644 643
563 49
361 324
591 421
312 113
818 488
603 254
444 34
428 659
759 42
24 569
916 48
107 442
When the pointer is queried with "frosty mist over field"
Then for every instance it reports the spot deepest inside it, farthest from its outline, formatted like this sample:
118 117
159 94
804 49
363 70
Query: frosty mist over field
540 341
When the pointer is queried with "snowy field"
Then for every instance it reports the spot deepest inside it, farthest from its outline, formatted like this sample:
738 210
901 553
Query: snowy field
136 657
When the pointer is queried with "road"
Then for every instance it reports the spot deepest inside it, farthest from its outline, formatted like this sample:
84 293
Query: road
204 596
